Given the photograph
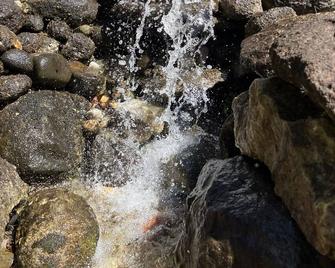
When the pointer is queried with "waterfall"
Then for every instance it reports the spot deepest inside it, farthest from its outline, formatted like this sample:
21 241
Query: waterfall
129 213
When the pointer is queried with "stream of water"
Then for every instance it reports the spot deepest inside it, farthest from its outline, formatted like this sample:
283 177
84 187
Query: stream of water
139 220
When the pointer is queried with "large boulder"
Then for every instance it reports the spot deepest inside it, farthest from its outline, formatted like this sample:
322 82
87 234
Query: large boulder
12 190
283 128
240 10
74 12
302 6
57 229
235 220
11 15
41 133
304 55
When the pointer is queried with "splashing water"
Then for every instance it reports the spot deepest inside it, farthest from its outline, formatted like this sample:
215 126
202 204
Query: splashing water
128 214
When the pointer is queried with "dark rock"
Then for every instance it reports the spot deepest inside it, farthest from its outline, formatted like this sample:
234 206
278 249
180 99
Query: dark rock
57 229
74 12
87 84
38 43
304 56
227 139
11 15
18 61
59 30
52 70
41 134
302 6
112 159
284 129
78 47
13 86
235 220
12 191
8 39
263 20
240 10
34 23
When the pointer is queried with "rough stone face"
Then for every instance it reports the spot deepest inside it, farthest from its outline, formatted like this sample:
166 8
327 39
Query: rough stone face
78 47
240 9
263 20
34 23
41 134
283 128
11 15
38 43
304 55
234 219
302 6
8 39
18 61
52 70
13 86
12 190
74 12
59 30
57 229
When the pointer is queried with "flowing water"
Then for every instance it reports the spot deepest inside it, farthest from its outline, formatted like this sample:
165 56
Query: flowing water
139 220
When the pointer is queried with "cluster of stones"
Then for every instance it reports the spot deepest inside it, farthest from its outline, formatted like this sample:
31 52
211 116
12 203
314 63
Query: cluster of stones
285 121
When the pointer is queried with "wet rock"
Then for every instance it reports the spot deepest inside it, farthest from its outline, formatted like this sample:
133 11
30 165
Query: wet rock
112 159
8 39
302 6
74 12
57 229
283 128
13 86
235 220
2 68
11 15
87 84
240 10
263 20
18 61
59 30
41 134
52 70
34 23
38 43
12 191
227 139
294 59
78 47
138 120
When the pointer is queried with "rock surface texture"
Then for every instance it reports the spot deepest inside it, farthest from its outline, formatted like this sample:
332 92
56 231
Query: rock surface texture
235 220
280 126
302 6
57 229
41 133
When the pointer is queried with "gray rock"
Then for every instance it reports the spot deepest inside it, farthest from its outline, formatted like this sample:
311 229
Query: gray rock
18 61
240 10
234 219
12 191
284 129
52 70
11 15
57 229
59 30
8 39
302 6
304 56
41 134
34 23
38 43
78 47
13 86
74 12
263 20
